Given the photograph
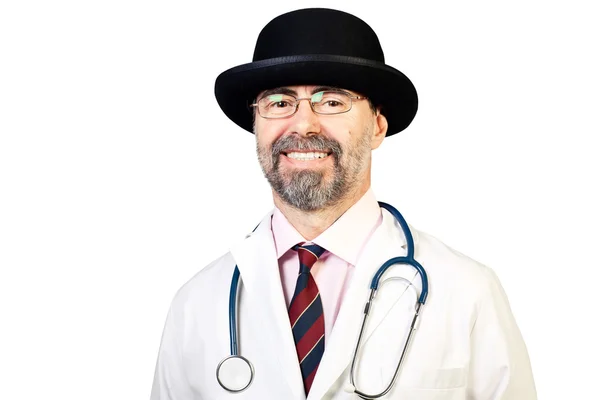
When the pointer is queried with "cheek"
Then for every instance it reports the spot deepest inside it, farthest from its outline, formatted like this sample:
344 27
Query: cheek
347 133
344 128
267 133
337 129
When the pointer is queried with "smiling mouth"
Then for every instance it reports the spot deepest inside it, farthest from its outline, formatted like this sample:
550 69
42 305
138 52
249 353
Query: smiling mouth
306 156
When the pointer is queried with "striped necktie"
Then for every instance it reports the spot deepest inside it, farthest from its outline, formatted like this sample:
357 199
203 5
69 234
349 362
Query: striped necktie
306 315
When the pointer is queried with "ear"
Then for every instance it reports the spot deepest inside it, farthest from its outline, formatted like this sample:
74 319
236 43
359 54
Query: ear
380 126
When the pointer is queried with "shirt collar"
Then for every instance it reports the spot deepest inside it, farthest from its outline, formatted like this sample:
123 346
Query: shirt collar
344 238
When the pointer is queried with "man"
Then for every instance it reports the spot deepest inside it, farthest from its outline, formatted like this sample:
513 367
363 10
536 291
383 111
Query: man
320 98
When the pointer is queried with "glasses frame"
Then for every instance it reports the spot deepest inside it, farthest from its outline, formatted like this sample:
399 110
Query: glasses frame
298 100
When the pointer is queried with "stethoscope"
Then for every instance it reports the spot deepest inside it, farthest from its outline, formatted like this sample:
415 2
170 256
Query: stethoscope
235 373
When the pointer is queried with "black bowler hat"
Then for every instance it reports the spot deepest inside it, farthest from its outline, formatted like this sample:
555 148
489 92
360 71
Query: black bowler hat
318 46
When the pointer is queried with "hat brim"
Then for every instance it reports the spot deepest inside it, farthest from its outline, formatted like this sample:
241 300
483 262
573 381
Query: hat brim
387 87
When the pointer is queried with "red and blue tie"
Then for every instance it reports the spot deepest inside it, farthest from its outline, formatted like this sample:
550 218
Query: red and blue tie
306 315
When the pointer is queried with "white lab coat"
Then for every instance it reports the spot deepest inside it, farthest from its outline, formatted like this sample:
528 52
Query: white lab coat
467 345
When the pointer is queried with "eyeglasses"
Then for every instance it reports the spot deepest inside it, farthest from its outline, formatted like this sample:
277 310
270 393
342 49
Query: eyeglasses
279 105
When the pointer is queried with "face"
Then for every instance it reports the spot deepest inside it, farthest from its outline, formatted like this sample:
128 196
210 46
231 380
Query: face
313 161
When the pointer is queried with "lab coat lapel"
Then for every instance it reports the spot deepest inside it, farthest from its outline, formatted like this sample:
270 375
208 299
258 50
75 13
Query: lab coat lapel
386 242
257 261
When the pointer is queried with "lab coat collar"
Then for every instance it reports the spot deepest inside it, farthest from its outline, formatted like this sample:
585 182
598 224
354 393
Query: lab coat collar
256 259
387 242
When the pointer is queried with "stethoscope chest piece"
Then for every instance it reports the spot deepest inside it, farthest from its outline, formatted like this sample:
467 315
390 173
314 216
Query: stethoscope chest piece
235 373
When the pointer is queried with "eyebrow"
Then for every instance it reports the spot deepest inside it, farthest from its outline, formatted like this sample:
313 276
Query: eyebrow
326 89
291 92
278 90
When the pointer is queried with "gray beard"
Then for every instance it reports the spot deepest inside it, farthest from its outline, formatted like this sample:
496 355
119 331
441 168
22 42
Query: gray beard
307 190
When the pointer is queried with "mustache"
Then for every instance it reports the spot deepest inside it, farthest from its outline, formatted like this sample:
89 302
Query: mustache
313 143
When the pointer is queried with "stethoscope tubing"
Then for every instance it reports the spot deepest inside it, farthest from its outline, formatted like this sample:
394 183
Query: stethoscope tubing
233 293
403 260
408 260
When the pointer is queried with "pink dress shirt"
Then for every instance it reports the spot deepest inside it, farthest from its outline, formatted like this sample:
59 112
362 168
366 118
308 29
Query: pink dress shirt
344 241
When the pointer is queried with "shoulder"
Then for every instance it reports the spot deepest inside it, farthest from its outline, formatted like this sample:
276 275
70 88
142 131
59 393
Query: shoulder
451 266
215 276
427 245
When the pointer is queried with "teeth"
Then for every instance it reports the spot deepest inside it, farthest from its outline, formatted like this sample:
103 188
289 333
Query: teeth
306 156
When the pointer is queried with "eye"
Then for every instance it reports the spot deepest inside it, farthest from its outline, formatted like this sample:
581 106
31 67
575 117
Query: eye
334 100
279 104
332 103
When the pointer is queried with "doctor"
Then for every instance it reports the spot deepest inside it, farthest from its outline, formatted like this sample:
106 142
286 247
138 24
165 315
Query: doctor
319 98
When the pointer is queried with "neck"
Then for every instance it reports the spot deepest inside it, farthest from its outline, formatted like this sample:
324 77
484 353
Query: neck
311 224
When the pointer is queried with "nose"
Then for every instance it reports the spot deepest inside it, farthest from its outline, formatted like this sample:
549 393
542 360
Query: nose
305 121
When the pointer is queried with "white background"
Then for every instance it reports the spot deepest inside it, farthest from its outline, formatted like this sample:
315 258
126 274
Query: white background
120 177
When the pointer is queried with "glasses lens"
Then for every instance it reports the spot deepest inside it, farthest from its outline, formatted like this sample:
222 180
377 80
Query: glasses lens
276 105
331 102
